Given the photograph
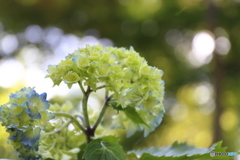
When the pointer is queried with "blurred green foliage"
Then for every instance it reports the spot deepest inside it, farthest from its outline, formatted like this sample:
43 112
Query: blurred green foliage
146 24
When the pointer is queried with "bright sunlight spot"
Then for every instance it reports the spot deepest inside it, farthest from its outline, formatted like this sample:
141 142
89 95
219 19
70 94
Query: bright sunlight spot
202 47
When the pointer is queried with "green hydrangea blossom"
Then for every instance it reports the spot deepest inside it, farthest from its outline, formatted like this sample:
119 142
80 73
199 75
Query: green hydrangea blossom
61 145
122 72
58 142
25 116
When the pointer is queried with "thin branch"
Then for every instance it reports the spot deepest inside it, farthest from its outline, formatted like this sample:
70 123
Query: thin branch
106 94
81 86
100 87
105 105
59 129
72 119
84 106
53 145
81 117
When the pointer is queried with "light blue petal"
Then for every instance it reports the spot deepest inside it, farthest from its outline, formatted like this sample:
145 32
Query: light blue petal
33 112
30 136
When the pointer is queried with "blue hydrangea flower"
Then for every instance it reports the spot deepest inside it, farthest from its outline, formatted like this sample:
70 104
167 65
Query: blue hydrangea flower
24 116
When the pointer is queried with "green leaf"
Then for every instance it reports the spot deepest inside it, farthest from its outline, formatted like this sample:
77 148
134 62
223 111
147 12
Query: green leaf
82 148
106 148
116 107
132 114
179 151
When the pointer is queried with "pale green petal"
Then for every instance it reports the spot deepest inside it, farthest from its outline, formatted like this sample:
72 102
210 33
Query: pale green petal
82 61
71 77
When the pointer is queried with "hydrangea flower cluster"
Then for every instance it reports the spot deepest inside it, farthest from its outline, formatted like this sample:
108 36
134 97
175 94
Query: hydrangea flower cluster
25 116
60 146
64 143
124 73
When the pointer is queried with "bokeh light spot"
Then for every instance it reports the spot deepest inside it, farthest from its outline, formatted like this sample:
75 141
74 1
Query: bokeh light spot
31 55
203 93
33 33
228 120
52 35
106 42
9 44
179 112
206 135
207 108
202 47
222 45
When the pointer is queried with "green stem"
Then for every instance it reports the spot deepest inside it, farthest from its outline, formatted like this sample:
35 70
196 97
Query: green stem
59 129
72 118
104 108
81 117
106 94
84 107
53 145
81 86
88 131
100 87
